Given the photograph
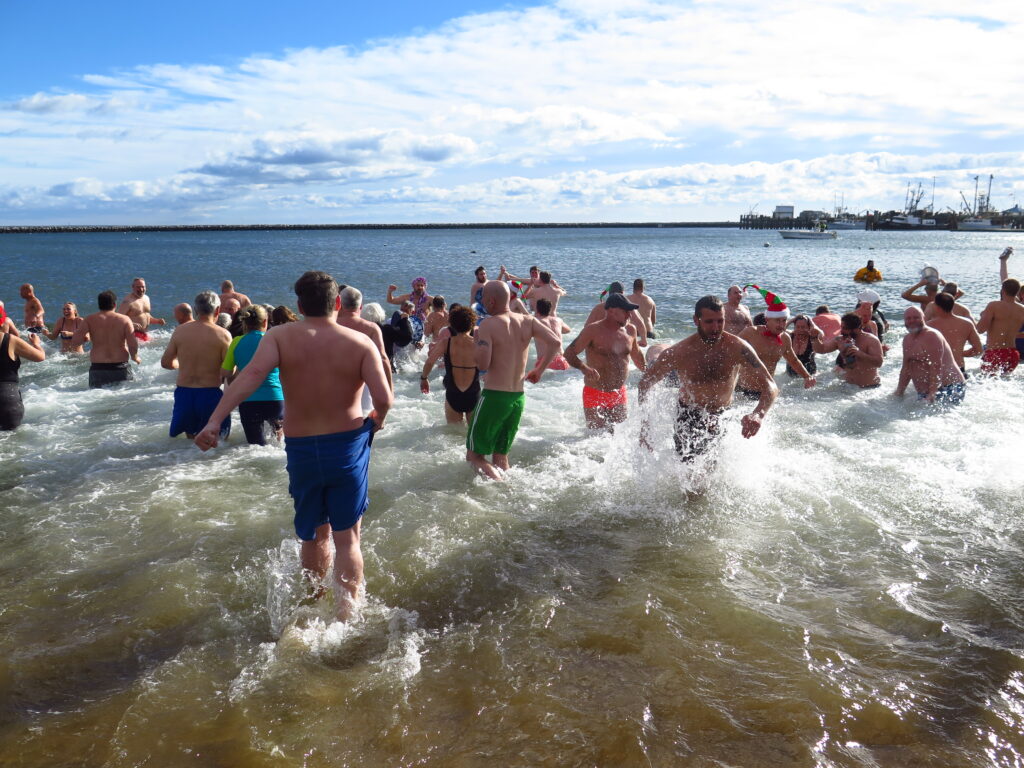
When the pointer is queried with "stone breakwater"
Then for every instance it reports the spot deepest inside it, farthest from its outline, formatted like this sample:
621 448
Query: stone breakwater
302 227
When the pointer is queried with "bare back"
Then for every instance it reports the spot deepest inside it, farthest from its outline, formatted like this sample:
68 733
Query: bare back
646 310
508 335
200 347
545 291
958 332
1002 320
111 335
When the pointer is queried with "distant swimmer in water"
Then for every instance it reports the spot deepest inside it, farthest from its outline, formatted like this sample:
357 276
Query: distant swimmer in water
113 343
737 316
34 312
608 345
868 274
13 350
227 291
958 331
137 307
418 297
646 307
861 352
544 313
708 364
1002 321
324 367
772 343
502 347
64 329
928 363
196 351
461 376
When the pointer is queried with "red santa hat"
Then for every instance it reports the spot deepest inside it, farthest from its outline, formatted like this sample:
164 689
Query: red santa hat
776 307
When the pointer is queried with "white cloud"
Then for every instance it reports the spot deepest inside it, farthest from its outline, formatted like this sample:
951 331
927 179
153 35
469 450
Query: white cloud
600 87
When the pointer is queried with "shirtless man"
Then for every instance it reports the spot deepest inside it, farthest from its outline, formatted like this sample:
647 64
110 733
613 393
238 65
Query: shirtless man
436 320
861 351
113 343
597 314
502 346
545 315
928 362
34 311
771 342
545 289
1004 260
531 282
351 302
196 351
477 288
708 364
183 313
1002 321
645 306
737 316
323 369
227 291
609 345
418 296
138 309
960 310
958 331
931 288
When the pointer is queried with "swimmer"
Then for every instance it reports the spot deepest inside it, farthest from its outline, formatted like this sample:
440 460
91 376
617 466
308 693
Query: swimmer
868 274
227 291
418 296
113 342
609 345
502 347
64 329
828 322
183 313
461 376
545 314
805 332
928 363
348 317
771 342
1004 259
546 288
646 306
34 312
958 331
737 316
1002 321
597 313
196 351
931 288
862 352
327 440
137 307
708 364
437 319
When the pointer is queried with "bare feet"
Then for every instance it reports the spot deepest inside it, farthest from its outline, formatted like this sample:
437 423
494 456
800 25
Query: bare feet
484 467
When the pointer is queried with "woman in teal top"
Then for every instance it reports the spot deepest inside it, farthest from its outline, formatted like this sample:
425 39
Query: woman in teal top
266 404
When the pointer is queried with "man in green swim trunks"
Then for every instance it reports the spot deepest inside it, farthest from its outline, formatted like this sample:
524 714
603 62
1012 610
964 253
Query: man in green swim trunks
502 347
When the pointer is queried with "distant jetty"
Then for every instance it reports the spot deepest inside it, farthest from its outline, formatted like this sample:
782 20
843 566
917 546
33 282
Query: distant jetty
8 230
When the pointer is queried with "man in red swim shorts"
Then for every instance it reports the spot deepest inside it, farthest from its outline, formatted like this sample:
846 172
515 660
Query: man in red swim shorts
609 344
1001 320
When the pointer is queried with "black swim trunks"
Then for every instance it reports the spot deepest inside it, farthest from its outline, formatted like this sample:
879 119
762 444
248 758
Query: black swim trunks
103 374
696 431
748 393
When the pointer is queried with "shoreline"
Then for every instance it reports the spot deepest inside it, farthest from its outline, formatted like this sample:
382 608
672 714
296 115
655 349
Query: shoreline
47 229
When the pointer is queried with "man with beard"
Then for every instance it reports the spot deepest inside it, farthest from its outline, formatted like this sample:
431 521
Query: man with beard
708 364
928 362
138 309
609 344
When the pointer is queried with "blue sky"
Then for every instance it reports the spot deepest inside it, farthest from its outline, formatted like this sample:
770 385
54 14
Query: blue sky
577 110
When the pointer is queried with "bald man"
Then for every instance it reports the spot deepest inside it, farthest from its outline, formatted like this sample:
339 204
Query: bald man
928 363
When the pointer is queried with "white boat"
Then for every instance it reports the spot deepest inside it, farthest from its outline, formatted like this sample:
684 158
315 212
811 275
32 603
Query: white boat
846 224
808 234
978 224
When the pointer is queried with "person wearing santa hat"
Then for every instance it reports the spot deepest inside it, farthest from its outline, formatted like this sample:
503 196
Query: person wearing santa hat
771 342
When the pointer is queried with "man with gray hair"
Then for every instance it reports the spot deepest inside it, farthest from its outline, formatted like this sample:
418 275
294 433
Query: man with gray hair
196 351
348 317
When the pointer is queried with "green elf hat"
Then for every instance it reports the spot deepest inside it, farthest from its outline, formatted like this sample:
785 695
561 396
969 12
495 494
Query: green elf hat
776 307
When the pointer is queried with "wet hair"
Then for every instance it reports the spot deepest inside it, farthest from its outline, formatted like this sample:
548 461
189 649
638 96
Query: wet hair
373 312
351 298
1011 286
316 292
871 264
707 302
759 318
822 310
206 303
107 300
282 315
479 269
543 307
945 301
437 302
461 319
545 277
951 288
253 317
638 284
851 322
803 317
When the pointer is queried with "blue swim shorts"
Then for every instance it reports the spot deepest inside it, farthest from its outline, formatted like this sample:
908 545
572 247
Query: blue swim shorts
328 479
193 407
951 394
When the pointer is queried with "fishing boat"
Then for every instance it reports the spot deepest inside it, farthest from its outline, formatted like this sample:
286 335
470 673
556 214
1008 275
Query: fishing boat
819 232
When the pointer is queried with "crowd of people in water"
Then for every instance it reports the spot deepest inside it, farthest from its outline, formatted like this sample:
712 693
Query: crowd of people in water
324 382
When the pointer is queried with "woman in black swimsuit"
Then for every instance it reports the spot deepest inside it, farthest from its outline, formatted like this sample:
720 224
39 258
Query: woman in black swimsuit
804 333
12 350
461 379
64 329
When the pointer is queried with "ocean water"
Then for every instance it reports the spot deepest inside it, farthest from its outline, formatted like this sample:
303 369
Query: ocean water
845 589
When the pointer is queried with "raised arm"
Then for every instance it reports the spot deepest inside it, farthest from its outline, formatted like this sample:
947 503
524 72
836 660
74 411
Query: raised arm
1004 264
909 294
391 297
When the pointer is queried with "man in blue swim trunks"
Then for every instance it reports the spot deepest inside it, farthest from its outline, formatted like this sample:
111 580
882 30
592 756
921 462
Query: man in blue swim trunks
929 363
196 351
323 368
